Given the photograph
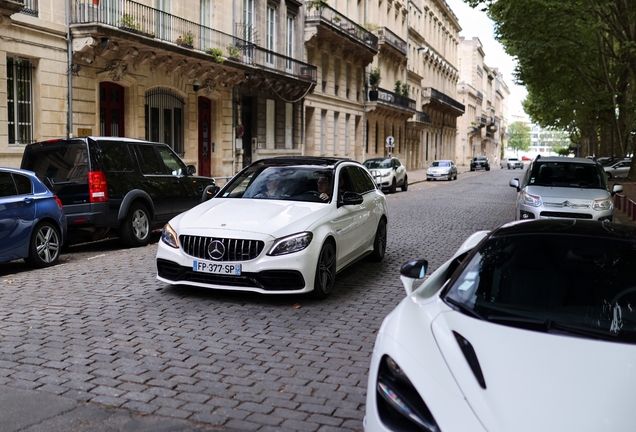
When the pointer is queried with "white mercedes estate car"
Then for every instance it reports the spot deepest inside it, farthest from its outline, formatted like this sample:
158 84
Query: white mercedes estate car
281 225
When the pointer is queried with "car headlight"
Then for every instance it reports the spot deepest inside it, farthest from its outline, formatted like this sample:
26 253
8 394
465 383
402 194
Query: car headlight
169 236
291 244
386 174
399 405
603 204
531 200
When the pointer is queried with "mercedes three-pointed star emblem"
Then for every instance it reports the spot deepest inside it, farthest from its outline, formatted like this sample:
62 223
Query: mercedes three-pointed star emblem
216 250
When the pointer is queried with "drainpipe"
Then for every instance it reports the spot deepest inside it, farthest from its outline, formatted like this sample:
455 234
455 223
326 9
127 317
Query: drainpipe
69 48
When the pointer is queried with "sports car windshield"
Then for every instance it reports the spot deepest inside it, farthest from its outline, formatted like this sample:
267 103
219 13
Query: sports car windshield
282 182
567 174
579 285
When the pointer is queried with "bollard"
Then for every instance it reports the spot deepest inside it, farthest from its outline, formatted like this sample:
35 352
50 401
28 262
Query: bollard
632 209
618 201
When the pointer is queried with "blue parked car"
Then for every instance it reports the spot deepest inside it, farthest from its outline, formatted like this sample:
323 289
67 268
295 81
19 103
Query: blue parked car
32 222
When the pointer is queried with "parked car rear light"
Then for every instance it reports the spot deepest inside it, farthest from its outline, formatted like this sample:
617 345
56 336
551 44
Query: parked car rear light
58 201
97 187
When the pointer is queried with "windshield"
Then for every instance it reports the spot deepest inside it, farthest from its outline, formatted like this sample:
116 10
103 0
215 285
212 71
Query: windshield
281 182
440 164
567 174
377 163
578 285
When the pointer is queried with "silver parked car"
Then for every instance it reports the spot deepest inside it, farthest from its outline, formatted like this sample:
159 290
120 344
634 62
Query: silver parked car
441 169
564 188
514 163
618 169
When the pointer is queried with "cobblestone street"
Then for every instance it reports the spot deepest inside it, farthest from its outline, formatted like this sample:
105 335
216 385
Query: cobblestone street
100 329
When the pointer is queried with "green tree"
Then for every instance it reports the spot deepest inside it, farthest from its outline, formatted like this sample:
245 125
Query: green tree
519 136
577 59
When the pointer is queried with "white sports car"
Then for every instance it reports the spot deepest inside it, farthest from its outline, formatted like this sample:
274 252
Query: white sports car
281 225
531 327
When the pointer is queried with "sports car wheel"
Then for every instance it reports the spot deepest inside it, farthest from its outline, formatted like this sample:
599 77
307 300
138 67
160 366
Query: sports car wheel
44 250
379 243
325 271
135 230
405 185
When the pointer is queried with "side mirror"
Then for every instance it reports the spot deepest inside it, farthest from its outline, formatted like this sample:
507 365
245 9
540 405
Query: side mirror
352 198
191 169
617 188
210 192
412 271
514 183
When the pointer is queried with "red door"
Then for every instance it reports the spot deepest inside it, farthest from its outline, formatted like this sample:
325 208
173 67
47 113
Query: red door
111 109
205 146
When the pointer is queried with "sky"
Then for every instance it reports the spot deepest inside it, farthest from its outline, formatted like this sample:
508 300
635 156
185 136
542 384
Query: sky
475 23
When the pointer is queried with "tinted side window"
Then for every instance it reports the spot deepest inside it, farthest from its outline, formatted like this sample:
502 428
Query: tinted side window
149 159
116 156
174 165
23 183
7 187
362 181
58 163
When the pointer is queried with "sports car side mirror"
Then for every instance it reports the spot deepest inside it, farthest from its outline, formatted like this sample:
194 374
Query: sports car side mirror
191 169
514 183
410 272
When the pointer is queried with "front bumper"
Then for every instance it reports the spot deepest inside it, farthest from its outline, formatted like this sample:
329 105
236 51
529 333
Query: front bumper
286 274
525 212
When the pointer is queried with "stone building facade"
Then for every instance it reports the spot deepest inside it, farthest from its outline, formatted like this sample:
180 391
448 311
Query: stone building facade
230 82
482 129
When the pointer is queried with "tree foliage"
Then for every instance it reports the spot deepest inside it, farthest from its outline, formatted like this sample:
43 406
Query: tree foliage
577 59
519 136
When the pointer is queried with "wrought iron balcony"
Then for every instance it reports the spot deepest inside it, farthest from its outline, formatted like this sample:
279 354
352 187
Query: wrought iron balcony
334 21
421 117
381 95
442 101
142 20
481 121
387 36
473 130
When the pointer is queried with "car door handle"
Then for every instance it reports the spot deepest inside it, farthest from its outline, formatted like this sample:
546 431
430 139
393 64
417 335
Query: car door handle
145 182
28 200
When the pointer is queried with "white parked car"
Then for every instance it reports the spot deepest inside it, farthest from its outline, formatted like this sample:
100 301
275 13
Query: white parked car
388 172
530 327
280 226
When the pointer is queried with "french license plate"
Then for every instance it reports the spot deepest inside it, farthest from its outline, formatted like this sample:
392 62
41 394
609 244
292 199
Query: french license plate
216 268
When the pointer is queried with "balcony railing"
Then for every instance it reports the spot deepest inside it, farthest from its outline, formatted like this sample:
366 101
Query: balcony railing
386 35
331 17
30 7
140 19
481 121
386 96
422 117
430 92
480 95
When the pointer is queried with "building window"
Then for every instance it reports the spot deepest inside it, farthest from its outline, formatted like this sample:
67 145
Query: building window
336 117
164 118
111 110
289 42
20 100
270 39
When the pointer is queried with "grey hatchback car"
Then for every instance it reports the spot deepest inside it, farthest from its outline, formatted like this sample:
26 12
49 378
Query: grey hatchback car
564 188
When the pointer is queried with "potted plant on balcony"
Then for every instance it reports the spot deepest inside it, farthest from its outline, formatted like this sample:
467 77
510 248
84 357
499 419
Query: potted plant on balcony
216 53
234 53
186 40
374 82
128 22
316 4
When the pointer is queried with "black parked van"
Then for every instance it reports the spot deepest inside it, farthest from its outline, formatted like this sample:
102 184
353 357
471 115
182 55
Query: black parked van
120 186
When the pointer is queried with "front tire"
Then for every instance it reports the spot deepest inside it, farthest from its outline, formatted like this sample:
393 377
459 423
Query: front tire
393 187
379 243
135 230
325 271
45 245
405 184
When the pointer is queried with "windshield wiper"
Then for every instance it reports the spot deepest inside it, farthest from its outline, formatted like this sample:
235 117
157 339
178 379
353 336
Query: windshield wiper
463 308
550 326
